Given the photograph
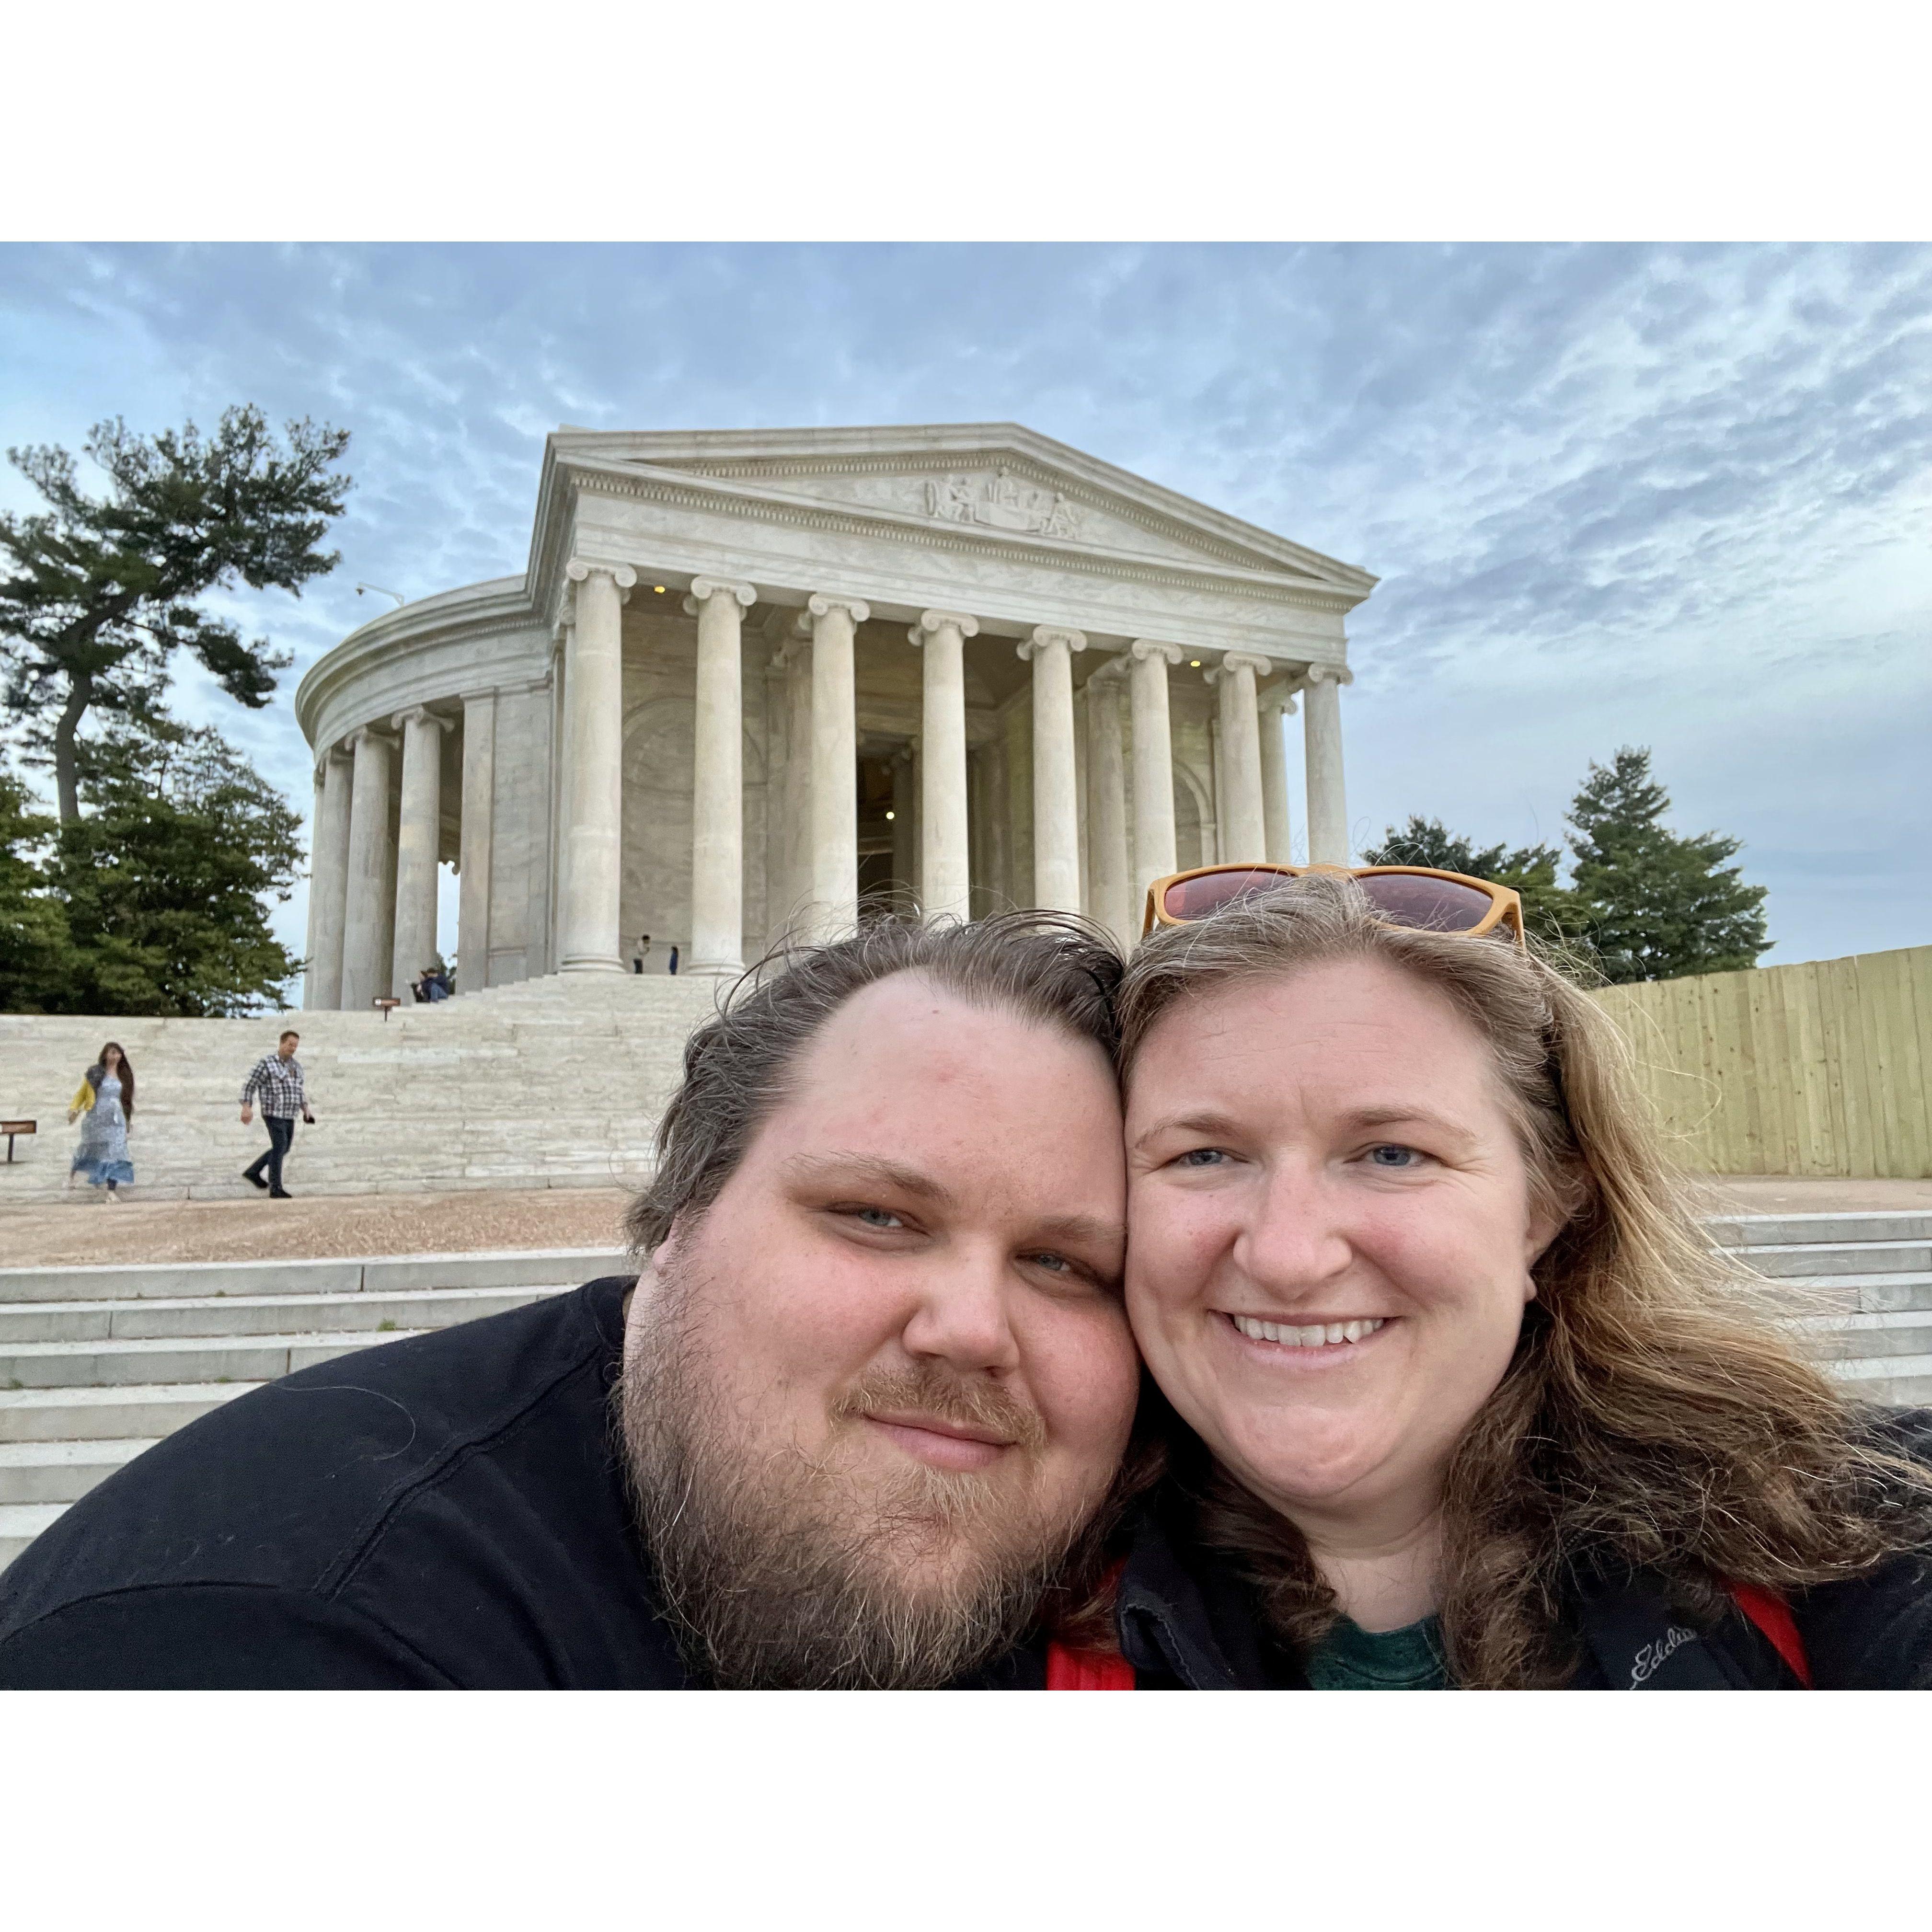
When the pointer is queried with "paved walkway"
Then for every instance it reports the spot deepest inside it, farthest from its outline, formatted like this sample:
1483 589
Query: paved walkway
83 1227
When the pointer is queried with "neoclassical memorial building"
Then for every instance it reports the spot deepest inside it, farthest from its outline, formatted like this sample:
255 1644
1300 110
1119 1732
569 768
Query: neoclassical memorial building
755 682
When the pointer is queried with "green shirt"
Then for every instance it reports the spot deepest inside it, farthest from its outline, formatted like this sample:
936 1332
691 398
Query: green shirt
1350 1658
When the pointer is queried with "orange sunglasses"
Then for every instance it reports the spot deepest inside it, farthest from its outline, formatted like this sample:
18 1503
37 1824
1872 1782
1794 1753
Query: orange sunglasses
1402 896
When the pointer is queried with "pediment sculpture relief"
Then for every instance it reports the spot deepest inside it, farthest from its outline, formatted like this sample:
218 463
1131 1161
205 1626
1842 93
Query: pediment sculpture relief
1002 502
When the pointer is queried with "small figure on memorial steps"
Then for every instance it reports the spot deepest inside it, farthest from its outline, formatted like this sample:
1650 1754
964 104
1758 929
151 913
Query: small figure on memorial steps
277 1078
643 952
105 1102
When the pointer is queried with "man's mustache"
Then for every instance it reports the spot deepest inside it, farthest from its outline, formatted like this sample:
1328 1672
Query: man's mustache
928 1388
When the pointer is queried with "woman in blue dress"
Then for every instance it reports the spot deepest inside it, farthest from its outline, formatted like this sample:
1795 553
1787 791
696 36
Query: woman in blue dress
104 1104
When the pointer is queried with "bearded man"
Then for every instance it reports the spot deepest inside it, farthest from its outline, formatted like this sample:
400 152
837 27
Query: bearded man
862 1420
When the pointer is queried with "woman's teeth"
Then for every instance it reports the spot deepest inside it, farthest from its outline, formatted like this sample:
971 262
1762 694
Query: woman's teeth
1323 1337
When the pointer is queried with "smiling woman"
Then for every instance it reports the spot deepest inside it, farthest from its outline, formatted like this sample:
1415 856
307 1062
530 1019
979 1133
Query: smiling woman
1472 1402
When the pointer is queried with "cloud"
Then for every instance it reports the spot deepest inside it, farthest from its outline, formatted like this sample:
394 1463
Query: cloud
1673 496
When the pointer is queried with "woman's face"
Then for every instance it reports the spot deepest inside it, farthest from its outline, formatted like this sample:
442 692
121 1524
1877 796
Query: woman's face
111 1059
1329 1231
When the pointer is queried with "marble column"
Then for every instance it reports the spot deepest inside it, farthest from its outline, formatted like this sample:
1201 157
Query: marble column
1110 885
476 841
797 659
419 840
1153 761
329 882
1322 728
945 860
1056 795
717 766
1244 829
368 911
835 767
1276 706
593 770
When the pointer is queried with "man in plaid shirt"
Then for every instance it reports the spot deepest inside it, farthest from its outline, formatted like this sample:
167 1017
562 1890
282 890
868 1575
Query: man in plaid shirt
277 1078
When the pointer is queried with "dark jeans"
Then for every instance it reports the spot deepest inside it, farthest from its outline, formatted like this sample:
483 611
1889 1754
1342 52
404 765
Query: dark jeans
281 1134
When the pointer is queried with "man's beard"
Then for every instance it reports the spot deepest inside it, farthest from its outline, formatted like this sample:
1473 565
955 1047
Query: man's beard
779 1572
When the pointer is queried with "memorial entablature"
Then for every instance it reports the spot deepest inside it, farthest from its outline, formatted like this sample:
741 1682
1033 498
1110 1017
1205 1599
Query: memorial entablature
756 682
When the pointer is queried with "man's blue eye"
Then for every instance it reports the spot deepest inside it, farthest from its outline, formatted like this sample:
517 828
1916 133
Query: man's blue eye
1202 1157
878 1217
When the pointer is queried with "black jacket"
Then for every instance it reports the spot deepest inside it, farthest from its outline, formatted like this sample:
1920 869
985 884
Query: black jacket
1187 1622
443 1511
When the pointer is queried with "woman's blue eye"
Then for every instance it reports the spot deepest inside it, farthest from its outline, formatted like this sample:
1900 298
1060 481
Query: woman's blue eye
1202 1157
878 1217
1393 1156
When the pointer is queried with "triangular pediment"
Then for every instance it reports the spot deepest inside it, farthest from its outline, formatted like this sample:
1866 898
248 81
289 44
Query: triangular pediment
998 482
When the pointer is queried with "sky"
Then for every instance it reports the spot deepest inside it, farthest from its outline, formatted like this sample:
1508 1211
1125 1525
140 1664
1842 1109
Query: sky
1674 495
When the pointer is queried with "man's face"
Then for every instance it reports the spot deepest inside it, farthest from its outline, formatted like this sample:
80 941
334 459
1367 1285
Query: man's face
900 1345
287 1047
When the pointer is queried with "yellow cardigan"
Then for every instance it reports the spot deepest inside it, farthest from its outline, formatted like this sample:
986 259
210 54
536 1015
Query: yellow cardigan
82 1101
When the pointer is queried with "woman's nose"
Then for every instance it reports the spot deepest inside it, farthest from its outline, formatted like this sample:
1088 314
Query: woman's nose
1296 1236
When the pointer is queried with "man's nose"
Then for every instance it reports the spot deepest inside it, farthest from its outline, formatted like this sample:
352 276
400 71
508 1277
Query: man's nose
1296 1238
963 1315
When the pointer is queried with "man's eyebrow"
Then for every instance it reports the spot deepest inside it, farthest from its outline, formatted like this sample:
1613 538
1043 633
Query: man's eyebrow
844 1167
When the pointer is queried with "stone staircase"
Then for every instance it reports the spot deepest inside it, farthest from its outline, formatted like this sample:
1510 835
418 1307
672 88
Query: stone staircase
1869 1276
98 1363
551 1082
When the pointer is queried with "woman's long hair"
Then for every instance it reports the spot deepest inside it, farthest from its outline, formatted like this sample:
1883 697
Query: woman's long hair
124 1073
1654 1415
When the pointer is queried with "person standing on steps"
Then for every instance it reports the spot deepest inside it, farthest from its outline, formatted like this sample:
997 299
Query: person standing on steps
277 1078
104 1102
643 952
673 968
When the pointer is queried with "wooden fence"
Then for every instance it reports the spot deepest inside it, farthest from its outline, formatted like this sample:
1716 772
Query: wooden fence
1814 1069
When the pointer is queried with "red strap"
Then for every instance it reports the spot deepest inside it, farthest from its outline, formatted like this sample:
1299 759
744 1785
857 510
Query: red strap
1086 1670
1773 1616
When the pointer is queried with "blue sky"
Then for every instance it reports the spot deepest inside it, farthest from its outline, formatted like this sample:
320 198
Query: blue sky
1672 495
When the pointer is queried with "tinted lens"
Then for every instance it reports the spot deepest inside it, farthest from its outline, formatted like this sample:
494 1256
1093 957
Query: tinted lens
1195 899
1438 905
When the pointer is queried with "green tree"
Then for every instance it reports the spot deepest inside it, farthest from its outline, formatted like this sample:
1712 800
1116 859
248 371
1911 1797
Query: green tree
1550 912
98 593
33 941
1656 905
166 875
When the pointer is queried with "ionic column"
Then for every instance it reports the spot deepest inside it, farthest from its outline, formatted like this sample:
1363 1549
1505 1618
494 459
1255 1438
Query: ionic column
796 659
329 882
593 770
905 830
1109 885
1276 704
718 796
476 841
835 765
1153 761
1243 830
418 838
368 909
1321 727
945 869
1056 794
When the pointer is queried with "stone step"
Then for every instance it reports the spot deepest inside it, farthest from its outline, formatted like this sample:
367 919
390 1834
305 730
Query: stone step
1789 1260
20 1523
1865 1337
390 1274
1743 1230
62 1472
90 1414
217 1359
154 1319
1901 1381
1876 1294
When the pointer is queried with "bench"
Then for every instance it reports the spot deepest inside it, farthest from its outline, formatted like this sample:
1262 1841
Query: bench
10 1128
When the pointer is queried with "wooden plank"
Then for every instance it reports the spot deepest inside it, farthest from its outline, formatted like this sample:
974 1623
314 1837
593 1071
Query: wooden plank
1776 1088
1916 972
1878 1026
1817 1138
1845 1043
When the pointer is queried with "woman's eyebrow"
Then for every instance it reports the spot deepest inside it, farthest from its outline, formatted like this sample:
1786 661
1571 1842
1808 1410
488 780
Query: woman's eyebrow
1209 1124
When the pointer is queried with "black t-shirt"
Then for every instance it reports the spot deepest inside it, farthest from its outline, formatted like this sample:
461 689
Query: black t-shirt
446 1511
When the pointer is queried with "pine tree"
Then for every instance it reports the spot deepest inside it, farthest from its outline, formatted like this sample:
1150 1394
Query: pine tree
1549 912
1656 905
98 592
35 947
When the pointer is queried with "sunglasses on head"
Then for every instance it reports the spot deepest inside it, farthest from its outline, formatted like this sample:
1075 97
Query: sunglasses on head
1417 895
